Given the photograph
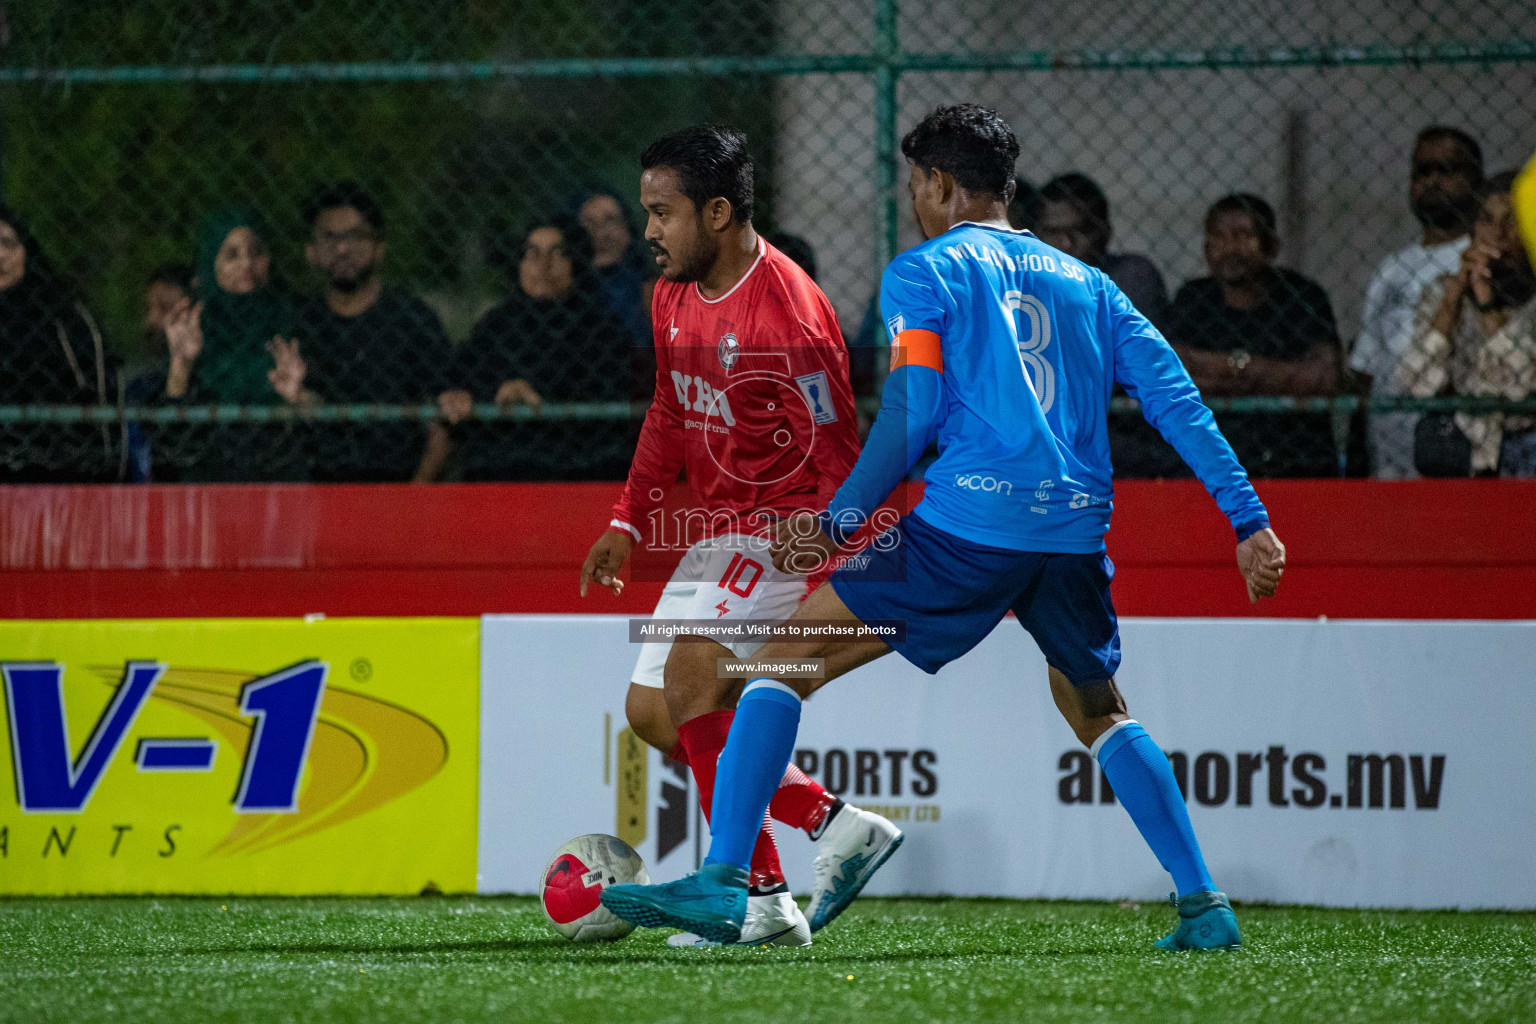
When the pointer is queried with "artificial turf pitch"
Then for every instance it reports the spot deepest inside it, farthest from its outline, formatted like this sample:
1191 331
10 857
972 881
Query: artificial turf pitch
441 960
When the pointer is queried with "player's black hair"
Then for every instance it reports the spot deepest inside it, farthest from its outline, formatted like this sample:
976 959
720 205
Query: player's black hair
711 162
1466 143
797 249
1260 212
970 143
1081 191
177 274
344 194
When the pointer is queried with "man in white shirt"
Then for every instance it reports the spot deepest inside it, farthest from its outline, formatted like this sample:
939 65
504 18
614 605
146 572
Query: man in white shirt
1442 192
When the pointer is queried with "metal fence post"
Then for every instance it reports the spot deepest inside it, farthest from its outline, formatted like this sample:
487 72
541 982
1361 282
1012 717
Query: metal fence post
887 45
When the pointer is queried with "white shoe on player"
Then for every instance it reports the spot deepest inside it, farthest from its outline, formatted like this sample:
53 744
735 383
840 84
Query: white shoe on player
772 920
852 847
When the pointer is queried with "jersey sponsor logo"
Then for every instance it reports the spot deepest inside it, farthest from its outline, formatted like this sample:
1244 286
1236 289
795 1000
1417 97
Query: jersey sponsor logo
729 350
818 397
896 325
1081 500
695 394
978 482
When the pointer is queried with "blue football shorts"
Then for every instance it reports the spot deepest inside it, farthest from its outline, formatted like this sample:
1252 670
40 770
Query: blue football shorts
952 592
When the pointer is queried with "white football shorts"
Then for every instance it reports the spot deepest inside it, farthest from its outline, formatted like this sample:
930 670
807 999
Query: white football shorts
726 577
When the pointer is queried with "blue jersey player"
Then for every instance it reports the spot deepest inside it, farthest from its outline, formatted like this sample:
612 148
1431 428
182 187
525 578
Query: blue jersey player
1006 352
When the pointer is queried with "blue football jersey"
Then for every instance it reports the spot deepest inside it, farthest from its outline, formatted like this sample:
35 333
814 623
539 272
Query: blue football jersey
1026 344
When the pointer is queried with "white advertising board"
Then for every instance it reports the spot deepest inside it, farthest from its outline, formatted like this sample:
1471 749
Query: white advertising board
1340 763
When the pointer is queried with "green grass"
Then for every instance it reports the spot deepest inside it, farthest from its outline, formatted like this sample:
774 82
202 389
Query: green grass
434 961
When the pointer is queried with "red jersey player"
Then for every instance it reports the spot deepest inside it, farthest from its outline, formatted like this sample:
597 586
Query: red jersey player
752 400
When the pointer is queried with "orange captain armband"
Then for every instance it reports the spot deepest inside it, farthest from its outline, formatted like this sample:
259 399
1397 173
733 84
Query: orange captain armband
917 348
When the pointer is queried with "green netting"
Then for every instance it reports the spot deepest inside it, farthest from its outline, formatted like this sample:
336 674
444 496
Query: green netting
121 131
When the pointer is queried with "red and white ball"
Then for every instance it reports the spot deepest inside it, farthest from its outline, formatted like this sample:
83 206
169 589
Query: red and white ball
575 879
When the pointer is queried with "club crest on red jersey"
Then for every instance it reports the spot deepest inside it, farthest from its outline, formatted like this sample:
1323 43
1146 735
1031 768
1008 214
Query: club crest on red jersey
729 350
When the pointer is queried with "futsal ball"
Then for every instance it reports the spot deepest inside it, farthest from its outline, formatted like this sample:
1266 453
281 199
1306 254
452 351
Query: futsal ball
575 880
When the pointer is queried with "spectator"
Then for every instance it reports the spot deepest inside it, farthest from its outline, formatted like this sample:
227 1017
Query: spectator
1442 192
364 343
168 287
1475 334
51 353
797 249
1253 328
621 262
167 292
553 340
1074 217
234 347
246 319
1024 209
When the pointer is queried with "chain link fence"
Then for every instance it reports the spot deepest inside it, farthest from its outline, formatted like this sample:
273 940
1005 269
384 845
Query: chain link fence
1252 173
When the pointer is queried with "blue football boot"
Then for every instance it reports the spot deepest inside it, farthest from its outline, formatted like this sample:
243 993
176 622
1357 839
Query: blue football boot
1206 921
711 902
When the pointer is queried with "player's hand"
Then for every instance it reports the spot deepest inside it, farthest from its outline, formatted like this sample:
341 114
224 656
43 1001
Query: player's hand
800 546
456 405
1261 559
605 560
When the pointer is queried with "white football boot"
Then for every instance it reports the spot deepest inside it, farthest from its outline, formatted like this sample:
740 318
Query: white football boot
772 920
851 848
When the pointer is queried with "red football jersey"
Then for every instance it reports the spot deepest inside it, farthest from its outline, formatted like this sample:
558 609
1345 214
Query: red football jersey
752 398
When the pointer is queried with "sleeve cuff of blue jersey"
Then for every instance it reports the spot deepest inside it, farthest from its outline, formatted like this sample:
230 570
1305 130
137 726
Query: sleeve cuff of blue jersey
1251 527
830 527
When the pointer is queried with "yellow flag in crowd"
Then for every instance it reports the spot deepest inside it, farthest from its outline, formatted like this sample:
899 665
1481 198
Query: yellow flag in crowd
1525 206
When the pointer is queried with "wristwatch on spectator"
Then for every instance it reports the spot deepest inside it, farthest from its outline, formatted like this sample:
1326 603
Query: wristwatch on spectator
1239 359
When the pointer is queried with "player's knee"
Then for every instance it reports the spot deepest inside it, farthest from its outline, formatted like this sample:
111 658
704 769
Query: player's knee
646 709
692 678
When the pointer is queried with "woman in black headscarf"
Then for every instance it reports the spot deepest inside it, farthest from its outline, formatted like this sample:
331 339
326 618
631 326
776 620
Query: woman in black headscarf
553 340
51 353
621 261
233 347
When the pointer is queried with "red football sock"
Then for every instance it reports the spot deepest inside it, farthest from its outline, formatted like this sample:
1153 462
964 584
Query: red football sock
703 738
800 801
678 753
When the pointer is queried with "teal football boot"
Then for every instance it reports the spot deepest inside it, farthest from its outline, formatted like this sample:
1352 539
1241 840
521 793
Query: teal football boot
711 902
1206 921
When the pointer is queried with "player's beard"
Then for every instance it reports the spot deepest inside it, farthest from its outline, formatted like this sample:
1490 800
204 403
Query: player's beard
697 264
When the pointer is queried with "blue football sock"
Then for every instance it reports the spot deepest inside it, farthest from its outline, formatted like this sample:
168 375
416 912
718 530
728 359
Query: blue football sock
750 768
1139 773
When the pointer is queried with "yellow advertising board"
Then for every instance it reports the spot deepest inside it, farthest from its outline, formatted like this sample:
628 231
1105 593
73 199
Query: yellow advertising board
239 756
